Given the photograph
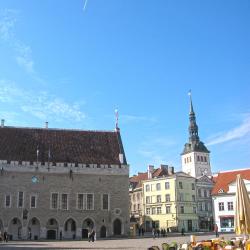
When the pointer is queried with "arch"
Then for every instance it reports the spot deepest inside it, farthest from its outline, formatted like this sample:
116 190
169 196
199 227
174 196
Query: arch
117 227
52 229
34 229
15 229
87 225
70 229
103 232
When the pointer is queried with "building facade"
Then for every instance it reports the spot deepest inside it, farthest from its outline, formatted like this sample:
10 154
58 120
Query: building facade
224 198
58 183
170 202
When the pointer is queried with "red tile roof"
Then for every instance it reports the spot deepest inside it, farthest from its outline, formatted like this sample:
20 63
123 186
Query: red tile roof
225 178
70 146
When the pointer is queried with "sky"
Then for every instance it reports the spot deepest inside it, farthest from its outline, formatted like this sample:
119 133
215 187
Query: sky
72 63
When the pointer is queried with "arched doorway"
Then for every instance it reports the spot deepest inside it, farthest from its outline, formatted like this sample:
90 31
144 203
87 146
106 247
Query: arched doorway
34 229
103 232
70 229
87 225
52 229
15 229
117 226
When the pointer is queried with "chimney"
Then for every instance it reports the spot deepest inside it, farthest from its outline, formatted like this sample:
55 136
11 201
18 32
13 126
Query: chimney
121 158
2 123
163 166
150 171
170 170
46 125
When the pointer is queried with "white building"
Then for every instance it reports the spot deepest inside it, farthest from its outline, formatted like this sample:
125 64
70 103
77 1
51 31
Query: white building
224 198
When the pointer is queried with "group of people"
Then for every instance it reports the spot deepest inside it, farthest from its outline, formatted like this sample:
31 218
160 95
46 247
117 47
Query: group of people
91 235
4 236
157 232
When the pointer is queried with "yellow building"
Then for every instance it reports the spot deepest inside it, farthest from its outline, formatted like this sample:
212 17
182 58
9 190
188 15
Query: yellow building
169 201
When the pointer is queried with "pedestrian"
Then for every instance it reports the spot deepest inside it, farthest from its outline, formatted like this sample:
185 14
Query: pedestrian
92 235
139 231
158 232
216 231
30 235
153 232
142 231
5 236
182 231
60 235
164 232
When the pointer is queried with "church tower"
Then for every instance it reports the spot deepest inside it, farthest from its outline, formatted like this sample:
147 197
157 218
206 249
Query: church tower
195 156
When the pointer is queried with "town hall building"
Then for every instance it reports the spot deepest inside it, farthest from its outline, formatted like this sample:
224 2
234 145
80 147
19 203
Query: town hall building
60 184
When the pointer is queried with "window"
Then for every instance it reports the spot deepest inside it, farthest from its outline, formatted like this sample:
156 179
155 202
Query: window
80 201
206 206
194 210
158 198
147 210
134 207
153 210
90 201
105 202
205 159
198 158
230 206
138 206
180 185
185 160
221 206
167 197
205 193
147 188
158 210
54 200
190 159
182 209
33 201
64 202
138 197
193 197
167 209
181 197
200 206
147 199
199 192
20 199
7 201
167 186
158 186
193 186
201 158
227 222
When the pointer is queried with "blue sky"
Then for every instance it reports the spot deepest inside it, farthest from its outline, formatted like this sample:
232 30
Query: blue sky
73 63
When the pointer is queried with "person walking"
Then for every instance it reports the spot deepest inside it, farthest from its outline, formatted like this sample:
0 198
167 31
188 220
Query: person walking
5 236
216 231
182 231
153 232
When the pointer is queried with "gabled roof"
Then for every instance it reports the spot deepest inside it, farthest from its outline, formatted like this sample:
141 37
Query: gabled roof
225 178
136 180
69 146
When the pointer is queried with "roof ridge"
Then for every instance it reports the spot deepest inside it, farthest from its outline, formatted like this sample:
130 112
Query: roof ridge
234 170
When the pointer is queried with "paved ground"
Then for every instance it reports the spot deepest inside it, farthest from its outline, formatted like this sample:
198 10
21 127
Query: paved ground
136 243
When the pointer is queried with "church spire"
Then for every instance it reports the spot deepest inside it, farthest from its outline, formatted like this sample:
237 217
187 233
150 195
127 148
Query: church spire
193 128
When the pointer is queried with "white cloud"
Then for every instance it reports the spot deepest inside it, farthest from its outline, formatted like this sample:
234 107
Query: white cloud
236 133
39 104
24 58
7 23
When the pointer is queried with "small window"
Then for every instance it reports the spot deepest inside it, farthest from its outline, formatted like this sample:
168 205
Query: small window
182 209
194 210
193 186
181 197
185 160
147 199
205 193
158 186
167 197
153 210
190 159
180 185
205 159
147 188
105 202
147 210
201 158
158 198
198 158
199 192
167 185
167 209
230 206
64 201
158 210
54 200
33 201
20 199
7 201
221 206
193 197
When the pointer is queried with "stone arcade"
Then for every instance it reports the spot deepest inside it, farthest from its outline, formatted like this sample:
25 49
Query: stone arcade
57 183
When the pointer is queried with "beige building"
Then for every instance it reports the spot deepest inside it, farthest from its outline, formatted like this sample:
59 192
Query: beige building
57 183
